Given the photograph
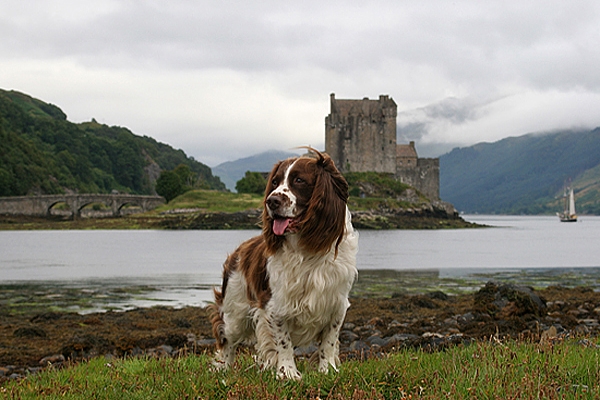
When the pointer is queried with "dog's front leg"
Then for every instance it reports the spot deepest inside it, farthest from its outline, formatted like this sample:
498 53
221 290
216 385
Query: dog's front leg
286 366
274 344
329 347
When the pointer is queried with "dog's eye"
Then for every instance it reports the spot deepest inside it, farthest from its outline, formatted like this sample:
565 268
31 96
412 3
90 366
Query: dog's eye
299 181
274 182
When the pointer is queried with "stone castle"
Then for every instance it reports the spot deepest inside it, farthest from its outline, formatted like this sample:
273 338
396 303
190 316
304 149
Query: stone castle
360 136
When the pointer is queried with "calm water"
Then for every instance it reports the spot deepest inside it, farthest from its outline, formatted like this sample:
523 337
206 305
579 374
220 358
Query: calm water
179 267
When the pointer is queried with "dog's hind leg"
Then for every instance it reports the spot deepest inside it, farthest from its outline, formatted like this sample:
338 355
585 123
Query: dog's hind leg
235 324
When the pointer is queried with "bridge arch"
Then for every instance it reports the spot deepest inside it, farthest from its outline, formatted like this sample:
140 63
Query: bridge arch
42 205
51 207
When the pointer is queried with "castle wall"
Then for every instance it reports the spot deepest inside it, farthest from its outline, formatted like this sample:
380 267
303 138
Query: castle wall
425 177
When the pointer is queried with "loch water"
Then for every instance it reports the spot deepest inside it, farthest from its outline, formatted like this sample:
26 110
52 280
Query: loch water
136 268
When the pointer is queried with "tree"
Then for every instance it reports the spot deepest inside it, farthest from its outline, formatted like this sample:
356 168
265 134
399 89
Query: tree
169 186
252 182
186 176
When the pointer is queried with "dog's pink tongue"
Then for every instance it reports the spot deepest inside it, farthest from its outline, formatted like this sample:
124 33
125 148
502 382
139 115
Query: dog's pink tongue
280 225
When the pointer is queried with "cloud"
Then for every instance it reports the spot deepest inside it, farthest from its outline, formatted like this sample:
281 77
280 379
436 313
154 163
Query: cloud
226 79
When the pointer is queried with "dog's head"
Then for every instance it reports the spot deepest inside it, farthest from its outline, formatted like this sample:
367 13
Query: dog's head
305 196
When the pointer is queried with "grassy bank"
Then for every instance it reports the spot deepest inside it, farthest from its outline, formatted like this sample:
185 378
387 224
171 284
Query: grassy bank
490 370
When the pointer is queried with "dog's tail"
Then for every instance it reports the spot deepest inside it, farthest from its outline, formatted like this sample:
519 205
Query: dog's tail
215 309
216 319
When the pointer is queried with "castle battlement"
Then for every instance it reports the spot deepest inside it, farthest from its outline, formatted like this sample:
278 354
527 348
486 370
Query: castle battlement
360 136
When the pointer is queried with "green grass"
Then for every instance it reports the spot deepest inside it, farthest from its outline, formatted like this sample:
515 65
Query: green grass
214 201
375 203
489 370
217 201
382 184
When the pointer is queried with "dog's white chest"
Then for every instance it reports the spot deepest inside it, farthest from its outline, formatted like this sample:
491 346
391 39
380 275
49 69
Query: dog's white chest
307 289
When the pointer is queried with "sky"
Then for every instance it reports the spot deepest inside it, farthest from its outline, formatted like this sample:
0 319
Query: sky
223 80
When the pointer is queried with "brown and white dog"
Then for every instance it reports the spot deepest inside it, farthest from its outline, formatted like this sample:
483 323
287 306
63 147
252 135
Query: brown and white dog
289 286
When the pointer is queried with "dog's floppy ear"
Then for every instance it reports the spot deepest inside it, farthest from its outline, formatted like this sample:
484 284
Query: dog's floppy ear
325 218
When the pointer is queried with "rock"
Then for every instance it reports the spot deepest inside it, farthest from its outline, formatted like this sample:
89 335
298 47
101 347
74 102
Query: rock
397 324
465 318
376 322
548 336
48 316
51 360
590 322
84 347
30 332
160 351
177 340
305 351
182 323
588 343
507 300
347 336
349 326
582 330
206 343
402 337
451 322
360 346
437 295
377 340
367 330
248 219
423 302
583 311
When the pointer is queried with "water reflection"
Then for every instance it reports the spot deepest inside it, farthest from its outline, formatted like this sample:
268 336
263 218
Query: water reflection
454 281
101 295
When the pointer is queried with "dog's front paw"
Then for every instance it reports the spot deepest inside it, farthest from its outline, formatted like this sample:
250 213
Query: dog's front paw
218 365
288 372
221 361
324 366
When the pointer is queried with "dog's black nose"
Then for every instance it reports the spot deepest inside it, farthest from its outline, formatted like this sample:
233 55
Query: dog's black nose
274 201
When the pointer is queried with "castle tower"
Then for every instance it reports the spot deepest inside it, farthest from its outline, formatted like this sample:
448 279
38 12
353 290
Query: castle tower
406 155
360 135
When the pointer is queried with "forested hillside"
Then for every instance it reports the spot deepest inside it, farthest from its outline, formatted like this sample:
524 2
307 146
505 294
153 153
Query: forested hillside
41 152
524 175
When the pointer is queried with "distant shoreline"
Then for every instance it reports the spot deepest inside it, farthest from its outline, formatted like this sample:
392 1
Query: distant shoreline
249 219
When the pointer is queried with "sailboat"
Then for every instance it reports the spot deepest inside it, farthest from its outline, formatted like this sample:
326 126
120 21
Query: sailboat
568 214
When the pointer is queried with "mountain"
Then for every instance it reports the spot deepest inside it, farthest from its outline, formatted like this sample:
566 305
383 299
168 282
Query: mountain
41 152
232 171
525 174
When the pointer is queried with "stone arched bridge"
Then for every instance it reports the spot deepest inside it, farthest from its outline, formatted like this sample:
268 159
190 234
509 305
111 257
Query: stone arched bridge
40 206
